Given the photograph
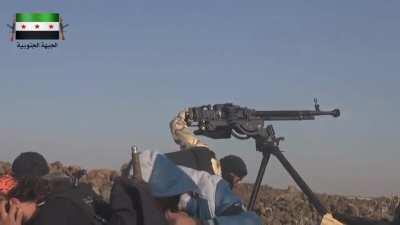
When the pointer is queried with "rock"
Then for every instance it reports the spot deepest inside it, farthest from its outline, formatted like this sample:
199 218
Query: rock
292 189
290 206
5 167
101 181
56 167
352 210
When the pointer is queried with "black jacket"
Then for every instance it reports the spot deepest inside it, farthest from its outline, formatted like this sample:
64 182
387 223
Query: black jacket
131 204
60 211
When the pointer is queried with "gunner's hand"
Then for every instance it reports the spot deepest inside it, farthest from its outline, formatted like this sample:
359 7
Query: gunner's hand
12 217
180 218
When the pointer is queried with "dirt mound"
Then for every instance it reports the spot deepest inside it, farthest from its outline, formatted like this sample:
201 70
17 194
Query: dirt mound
290 206
100 179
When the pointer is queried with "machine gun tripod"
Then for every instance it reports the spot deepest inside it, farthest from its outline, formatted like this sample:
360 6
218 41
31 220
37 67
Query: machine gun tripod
221 121
268 144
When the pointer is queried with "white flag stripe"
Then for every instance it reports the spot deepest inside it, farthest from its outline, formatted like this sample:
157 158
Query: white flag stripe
37 26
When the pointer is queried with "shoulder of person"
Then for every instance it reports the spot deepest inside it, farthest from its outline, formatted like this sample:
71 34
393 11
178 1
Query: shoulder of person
55 211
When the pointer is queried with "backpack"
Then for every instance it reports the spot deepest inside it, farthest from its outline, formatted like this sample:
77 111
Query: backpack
198 158
134 195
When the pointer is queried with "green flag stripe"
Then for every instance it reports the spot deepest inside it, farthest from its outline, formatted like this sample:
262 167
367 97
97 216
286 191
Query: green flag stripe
37 17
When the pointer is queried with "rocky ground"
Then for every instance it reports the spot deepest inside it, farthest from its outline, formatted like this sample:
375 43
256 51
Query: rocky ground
290 206
275 206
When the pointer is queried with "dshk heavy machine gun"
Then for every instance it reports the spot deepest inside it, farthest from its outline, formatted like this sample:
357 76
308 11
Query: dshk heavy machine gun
222 121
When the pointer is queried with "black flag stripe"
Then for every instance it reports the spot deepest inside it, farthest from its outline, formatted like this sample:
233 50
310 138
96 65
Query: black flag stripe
37 35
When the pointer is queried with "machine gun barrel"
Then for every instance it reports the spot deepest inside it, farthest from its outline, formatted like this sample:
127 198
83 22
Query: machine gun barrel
294 114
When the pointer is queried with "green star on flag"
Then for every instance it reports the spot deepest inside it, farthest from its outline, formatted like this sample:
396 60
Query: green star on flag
37 26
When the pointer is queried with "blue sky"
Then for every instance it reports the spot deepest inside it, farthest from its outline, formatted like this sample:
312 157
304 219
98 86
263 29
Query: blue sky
126 68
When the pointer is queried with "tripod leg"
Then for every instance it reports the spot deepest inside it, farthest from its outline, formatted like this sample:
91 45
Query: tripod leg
257 184
300 182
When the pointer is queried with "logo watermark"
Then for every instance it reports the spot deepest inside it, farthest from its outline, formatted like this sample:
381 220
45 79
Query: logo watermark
37 30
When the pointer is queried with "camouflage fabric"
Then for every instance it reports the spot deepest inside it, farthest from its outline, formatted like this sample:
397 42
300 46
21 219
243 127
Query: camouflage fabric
184 137
216 167
181 133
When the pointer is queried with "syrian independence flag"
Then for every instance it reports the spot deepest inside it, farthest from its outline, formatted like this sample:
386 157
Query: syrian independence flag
37 26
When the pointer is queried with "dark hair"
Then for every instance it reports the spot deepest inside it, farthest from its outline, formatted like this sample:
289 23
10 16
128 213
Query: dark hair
29 164
233 164
30 189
